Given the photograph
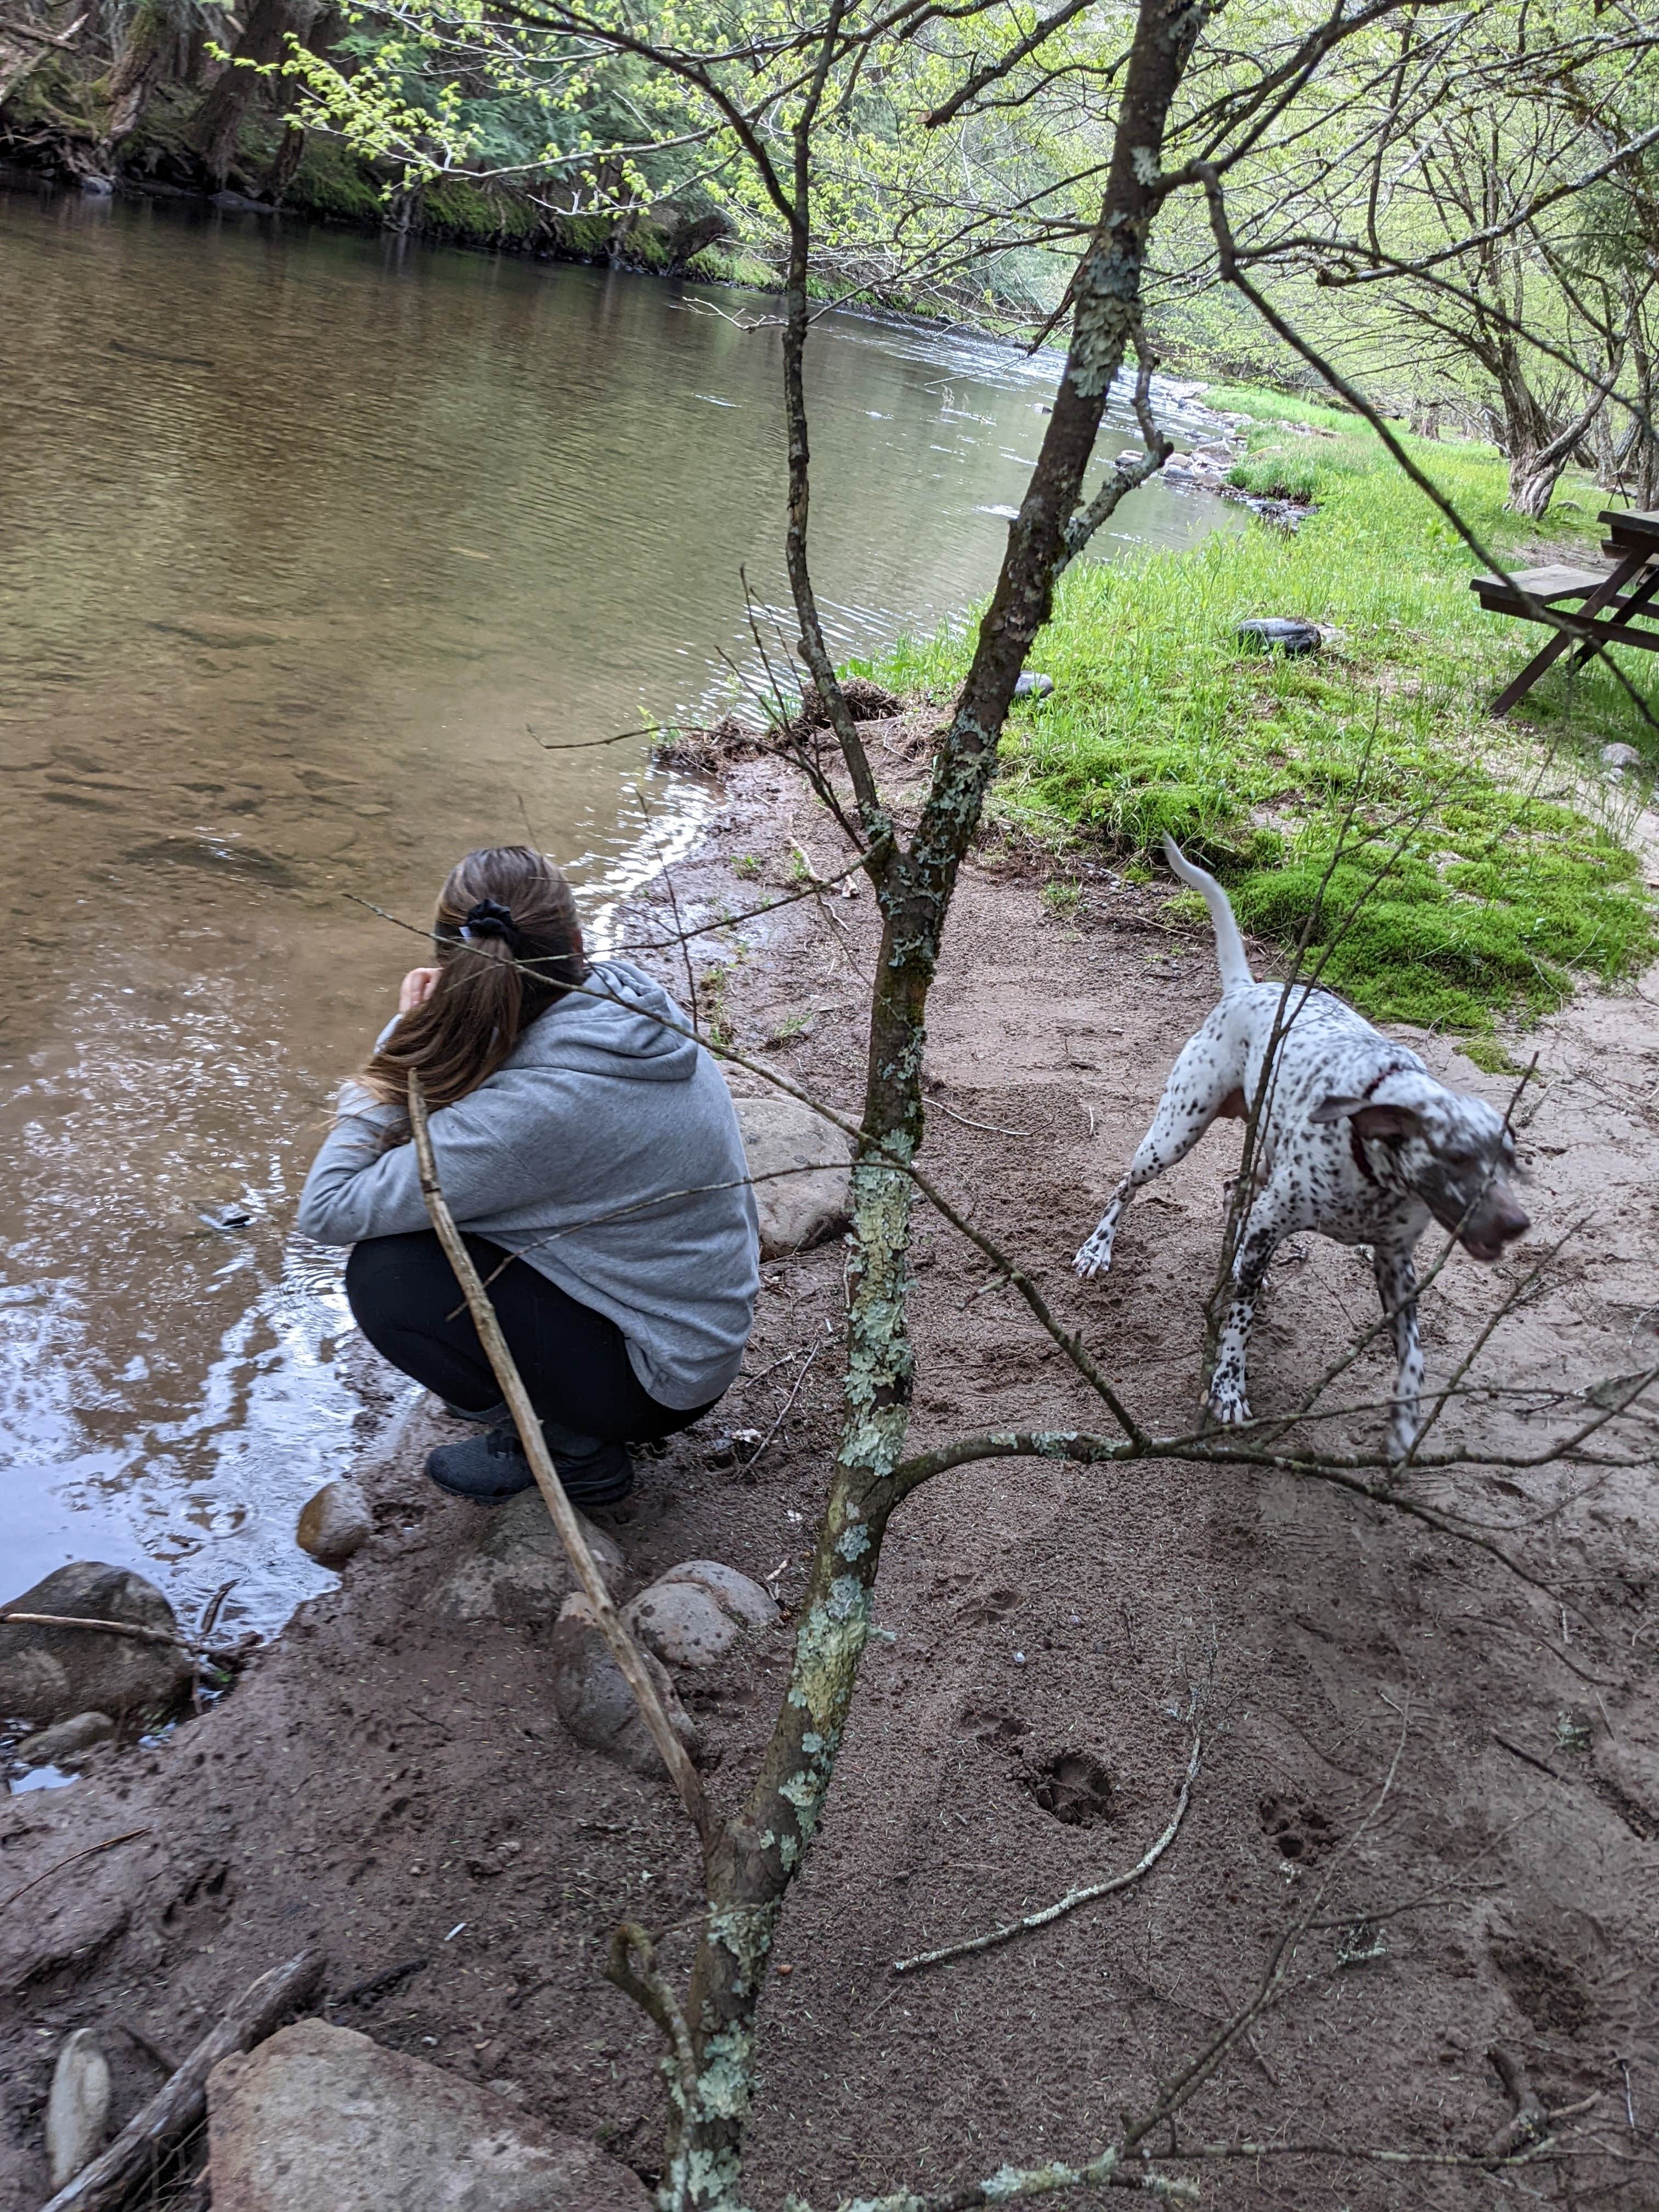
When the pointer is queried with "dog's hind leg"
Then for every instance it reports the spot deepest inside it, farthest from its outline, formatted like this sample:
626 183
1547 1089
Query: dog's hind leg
1269 1223
1203 1082
1396 1285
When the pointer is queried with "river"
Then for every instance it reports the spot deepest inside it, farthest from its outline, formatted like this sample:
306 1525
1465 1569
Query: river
313 539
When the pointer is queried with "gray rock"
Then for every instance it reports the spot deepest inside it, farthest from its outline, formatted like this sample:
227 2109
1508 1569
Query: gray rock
1616 759
518 1571
812 1200
77 2110
63 1745
322 2120
335 1523
47 1674
695 1613
1275 634
594 1700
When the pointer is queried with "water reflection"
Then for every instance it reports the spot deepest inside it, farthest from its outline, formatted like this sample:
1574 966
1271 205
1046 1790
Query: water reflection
313 537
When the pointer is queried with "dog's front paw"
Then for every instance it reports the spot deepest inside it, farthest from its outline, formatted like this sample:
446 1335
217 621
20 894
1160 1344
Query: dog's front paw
1402 1435
1229 1404
1095 1257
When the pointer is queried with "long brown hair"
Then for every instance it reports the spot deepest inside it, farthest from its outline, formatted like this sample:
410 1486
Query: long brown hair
509 946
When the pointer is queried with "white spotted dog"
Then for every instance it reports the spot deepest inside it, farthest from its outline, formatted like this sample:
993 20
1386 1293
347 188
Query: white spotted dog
1356 1140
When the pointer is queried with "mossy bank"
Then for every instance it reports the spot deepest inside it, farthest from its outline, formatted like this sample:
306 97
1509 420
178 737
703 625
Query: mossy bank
1446 869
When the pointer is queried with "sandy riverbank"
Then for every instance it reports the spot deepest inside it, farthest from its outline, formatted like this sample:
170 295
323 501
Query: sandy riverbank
391 1781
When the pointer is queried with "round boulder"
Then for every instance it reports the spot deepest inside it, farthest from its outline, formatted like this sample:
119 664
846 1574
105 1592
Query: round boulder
335 1521
593 1699
48 1674
694 1614
803 1187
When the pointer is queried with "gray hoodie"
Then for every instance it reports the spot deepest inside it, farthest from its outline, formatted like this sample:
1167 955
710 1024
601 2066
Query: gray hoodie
599 1109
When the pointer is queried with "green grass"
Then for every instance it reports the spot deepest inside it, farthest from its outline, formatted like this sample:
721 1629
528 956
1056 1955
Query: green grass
1483 867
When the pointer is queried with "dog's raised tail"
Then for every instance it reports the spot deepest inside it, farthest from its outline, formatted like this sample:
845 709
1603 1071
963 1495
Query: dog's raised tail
1230 956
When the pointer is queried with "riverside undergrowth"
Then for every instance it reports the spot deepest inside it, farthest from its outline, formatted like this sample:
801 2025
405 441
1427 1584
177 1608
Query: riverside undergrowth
1504 851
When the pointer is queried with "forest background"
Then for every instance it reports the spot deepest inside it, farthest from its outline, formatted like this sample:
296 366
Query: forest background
1463 212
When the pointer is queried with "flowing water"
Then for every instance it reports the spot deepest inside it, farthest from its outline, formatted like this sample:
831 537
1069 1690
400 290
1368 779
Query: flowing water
311 541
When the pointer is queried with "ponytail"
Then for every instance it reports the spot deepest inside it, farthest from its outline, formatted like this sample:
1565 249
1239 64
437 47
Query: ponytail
509 946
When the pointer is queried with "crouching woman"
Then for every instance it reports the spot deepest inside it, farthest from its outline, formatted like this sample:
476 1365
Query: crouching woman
589 1151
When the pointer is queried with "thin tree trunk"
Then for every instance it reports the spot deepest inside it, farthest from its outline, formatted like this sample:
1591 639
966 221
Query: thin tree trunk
756 1855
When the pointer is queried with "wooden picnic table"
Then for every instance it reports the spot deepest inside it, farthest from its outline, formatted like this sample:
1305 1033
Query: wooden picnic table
1589 607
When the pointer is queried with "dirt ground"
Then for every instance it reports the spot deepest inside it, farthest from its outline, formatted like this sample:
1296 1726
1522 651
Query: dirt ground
397 1788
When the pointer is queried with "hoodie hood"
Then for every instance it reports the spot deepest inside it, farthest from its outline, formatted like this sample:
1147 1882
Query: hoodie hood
629 1029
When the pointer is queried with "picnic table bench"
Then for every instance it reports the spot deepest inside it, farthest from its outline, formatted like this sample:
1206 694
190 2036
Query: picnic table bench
1589 606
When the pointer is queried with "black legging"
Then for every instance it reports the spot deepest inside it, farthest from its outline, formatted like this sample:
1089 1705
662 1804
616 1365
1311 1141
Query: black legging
573 1361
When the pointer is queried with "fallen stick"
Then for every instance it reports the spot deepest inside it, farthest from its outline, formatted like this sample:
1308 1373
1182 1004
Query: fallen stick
132 1628
625 1652
180 2103
1073 1898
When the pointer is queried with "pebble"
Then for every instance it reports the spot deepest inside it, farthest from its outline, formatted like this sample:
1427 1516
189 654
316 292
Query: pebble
335 1523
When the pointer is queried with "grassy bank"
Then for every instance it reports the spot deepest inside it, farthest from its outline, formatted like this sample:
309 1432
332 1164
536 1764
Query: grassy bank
1501 848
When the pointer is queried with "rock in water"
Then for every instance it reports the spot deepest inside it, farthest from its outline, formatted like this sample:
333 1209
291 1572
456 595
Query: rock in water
594 1700
519 1573
334 1523
695 1613
47 1674
1275 633
807 1195
62 1746
322 2120
78 2111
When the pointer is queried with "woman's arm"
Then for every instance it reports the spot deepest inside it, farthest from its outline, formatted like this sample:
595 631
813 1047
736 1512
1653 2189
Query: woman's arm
358 1189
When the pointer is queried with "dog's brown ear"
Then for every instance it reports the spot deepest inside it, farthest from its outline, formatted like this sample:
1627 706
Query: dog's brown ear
1370 1119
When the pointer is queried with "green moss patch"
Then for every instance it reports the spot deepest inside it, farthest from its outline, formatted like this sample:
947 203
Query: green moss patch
1481 869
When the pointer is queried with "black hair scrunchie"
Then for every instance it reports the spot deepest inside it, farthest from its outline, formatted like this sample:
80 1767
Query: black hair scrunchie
488 919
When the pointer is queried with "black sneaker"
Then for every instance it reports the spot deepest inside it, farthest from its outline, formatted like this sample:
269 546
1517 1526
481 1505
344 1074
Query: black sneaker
489 1468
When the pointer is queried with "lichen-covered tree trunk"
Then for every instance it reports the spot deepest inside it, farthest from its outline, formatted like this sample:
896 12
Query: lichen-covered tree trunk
754 1857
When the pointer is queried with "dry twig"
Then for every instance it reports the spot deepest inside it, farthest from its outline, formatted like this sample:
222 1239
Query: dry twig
1072 1898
